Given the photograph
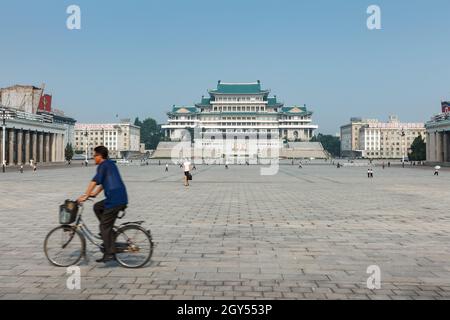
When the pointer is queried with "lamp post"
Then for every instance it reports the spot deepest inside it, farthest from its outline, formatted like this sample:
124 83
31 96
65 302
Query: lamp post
403 145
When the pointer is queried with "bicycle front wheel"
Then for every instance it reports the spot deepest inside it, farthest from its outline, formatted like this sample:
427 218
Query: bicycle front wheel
134 246
64 246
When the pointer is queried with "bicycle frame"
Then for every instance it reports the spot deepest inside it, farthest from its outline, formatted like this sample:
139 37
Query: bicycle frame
87 233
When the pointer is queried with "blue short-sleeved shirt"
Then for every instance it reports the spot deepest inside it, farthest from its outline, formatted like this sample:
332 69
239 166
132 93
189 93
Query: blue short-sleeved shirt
109 177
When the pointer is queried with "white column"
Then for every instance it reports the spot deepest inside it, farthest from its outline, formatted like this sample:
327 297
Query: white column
11 144
47 147
439 147
34 146
57 147
60 147
41 147
445 146
53 146
19 146
27 147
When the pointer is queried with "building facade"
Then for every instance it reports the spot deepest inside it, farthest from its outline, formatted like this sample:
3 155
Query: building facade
350 137
379 140
22 98
241 108
29 131
120 138
438 137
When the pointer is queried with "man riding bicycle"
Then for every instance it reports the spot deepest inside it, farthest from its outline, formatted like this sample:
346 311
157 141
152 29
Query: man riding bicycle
107 179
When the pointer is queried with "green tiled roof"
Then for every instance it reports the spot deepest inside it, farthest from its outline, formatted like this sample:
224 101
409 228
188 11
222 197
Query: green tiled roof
238 88
206 102
183 110
296 110
272 102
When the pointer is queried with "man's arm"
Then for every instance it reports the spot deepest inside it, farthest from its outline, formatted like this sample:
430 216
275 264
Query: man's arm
96 181
97 191
88 192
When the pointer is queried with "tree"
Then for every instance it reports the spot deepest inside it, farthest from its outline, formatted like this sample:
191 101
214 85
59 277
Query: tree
68 152
137 122
418 149
330 143
150 132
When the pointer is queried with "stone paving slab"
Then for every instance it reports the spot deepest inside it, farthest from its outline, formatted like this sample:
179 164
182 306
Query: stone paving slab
304 233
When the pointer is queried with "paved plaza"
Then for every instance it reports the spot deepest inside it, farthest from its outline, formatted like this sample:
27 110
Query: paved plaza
306 233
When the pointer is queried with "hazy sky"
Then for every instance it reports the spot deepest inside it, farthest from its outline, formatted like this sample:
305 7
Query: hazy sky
138 58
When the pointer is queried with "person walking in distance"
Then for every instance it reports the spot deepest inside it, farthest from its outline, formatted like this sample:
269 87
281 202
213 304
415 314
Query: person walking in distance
186 169
167 167
107 179
436 170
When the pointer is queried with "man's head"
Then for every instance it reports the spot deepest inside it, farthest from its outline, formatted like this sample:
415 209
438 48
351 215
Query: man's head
100 154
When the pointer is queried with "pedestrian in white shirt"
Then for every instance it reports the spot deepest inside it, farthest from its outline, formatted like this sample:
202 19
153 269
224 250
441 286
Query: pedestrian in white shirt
187 169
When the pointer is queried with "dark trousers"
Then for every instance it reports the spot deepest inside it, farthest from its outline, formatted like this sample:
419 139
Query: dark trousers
107 218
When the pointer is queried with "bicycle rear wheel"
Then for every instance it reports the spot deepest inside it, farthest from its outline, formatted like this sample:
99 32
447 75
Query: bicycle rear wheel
64 246
134 246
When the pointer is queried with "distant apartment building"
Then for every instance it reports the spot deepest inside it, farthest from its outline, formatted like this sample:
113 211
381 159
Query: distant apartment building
372 139
120 138
350 137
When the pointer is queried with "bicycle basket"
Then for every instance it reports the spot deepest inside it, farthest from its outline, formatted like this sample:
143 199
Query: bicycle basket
68 212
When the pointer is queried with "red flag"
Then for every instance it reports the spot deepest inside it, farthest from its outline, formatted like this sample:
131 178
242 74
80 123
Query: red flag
45 104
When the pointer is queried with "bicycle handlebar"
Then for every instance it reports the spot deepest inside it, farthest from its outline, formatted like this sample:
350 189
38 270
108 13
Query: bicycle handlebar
88 199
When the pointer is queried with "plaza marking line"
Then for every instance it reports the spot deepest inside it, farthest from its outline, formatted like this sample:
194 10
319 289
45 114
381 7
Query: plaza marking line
323 178
295 176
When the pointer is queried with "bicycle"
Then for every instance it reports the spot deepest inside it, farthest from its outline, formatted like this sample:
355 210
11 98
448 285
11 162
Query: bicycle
65 245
